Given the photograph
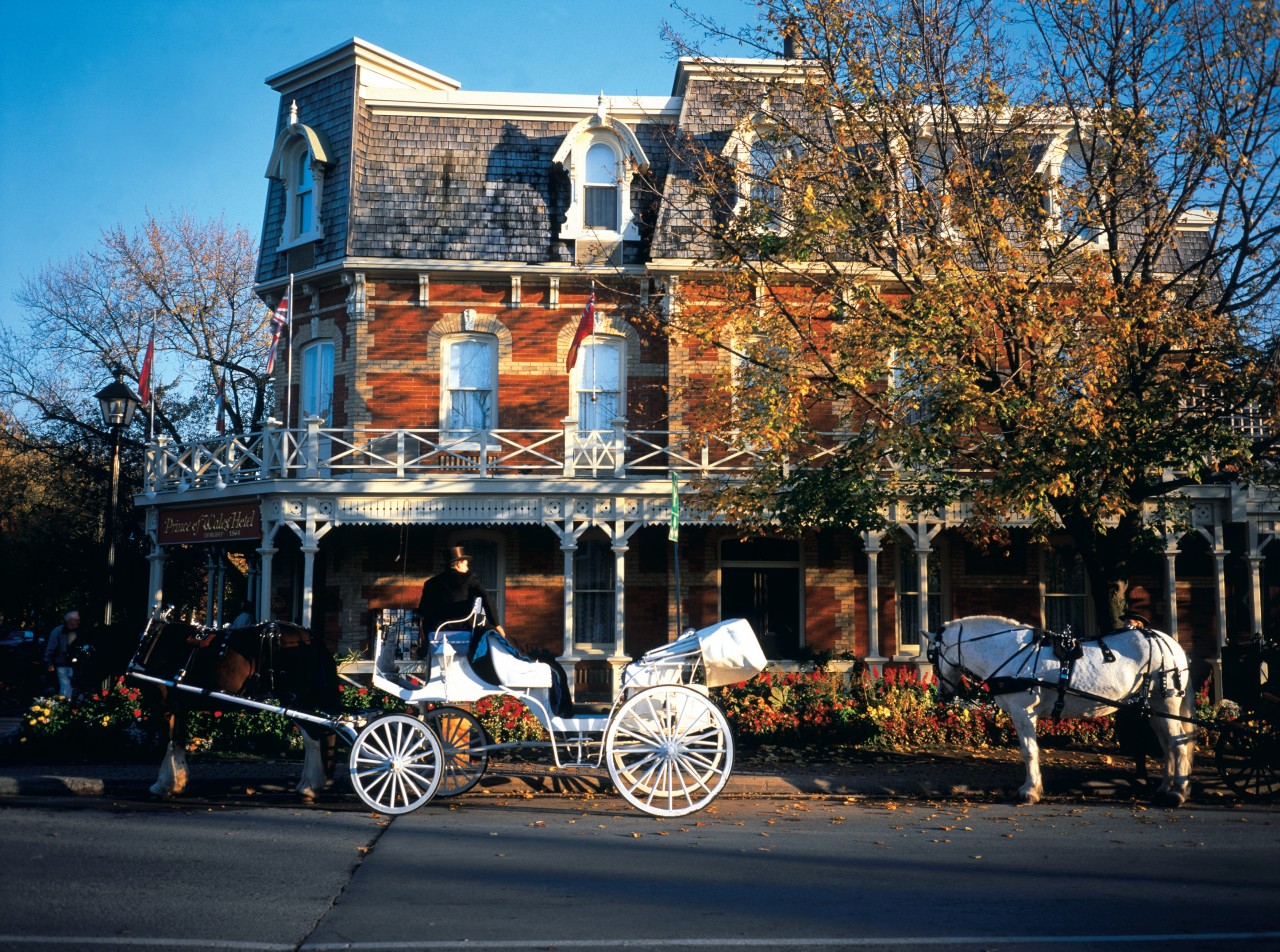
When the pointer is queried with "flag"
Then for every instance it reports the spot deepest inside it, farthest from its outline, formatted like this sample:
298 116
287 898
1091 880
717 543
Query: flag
144 379
673 533
279 318
221 409
586 327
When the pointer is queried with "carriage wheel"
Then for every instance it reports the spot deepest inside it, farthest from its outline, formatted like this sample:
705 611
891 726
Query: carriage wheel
1248 759
395 763
463 741
669 750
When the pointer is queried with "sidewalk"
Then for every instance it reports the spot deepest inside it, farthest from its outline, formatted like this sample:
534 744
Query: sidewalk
981 775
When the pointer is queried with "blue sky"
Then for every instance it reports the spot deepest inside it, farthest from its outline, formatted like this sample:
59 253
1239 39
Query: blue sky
108 109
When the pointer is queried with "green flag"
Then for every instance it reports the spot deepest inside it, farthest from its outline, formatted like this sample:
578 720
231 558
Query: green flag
674 532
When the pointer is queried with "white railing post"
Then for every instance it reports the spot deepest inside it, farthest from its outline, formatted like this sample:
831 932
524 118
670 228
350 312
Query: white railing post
312 454
271 450
619 446
400 454
570 425
157 463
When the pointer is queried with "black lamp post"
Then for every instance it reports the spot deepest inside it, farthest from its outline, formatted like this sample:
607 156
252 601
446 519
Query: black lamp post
118 404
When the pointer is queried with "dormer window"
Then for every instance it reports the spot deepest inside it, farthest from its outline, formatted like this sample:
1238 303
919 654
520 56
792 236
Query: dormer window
760 157
601 155
299 162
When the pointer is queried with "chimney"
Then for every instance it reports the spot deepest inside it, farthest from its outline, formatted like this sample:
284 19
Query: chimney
791 38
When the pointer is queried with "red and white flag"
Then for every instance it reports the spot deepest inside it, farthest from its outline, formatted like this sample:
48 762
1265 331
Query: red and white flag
586 327
144 378
279 320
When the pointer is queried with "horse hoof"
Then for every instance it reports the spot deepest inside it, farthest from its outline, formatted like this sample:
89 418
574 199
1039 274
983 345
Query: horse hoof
1168 800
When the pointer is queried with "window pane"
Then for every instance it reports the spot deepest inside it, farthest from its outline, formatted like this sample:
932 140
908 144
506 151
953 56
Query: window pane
317 381
597 409
598 363
593 593
601 207
469 409
602 165
471 364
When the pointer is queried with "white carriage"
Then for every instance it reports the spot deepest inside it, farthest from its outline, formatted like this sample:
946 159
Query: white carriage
666 745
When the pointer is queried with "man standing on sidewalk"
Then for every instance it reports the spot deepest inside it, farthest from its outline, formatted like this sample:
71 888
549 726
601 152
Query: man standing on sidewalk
57 654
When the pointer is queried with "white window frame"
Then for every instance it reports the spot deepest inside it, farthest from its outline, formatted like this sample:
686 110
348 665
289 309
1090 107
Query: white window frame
296 157
575 161
604 546
315 385
580 384
1060 154
749 140
453 436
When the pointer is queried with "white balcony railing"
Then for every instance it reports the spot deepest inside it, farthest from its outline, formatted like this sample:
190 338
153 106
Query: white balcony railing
315 452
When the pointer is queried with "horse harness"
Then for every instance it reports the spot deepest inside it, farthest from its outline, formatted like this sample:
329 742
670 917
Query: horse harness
271 637
1067 648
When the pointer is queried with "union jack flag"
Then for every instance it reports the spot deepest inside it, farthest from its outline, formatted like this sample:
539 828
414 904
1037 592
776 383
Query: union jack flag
279 321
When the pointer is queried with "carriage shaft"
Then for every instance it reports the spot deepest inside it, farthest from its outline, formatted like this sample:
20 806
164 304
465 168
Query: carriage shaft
338 725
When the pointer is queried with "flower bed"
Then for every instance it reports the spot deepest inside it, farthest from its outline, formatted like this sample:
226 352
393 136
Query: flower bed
801 710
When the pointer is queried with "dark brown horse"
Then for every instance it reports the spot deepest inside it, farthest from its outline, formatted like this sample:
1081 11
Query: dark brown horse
278 665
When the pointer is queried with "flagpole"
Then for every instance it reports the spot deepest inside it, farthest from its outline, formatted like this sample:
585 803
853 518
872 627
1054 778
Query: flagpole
288 387
673 533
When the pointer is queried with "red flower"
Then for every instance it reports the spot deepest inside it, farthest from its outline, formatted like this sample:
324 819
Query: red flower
217 713
363 691
137 712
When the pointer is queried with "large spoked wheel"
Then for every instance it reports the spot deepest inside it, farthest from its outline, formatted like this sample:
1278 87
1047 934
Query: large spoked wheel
668 750
396 764
1248 759
463 741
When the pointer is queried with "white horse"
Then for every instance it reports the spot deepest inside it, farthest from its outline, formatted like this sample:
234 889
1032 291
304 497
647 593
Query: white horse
1025 675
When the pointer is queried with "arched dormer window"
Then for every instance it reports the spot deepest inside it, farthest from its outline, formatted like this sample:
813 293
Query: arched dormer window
760 154
299 161
601 156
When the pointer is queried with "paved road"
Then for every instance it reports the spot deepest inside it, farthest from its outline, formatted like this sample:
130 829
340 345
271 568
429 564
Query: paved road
589 873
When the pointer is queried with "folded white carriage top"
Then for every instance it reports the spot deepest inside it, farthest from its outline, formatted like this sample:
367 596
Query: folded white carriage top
730 652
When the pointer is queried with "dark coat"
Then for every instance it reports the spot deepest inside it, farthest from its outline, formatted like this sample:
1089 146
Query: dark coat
449 596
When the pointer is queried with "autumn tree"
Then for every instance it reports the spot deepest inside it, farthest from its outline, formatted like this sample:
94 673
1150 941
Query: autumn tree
1018 255
190 282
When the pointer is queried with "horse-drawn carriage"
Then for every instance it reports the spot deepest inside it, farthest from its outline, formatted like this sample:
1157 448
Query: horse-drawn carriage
665 743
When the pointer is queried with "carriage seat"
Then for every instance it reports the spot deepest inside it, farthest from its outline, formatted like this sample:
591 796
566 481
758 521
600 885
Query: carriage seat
514 671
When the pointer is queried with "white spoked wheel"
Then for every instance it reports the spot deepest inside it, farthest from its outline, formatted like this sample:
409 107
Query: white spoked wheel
396 764
463 741
668 750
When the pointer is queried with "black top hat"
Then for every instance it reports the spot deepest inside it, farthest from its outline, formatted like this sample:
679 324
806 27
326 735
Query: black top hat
1134 616
457 553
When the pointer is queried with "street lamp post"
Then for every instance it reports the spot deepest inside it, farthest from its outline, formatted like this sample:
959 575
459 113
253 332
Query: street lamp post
118 404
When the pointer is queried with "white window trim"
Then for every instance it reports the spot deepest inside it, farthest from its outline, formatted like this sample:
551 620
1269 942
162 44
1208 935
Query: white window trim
619 345
1051 167
446 404
294 139
305 383
572 156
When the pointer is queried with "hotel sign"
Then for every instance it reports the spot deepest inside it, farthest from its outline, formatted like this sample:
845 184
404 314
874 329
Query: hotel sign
226 523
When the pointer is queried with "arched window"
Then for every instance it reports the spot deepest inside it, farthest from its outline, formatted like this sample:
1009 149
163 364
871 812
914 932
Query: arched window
600 188
299 162
598 384
469 381
301 194
317 381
